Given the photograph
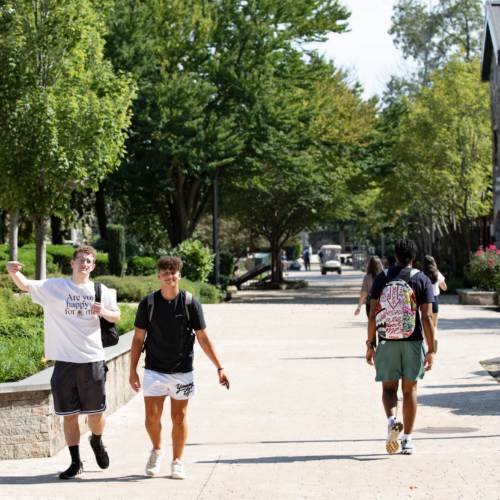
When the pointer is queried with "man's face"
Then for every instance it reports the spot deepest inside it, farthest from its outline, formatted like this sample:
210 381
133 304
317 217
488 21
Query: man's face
83 264
169 277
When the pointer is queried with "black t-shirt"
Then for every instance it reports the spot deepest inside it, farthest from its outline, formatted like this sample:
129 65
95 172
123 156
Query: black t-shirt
422 286
170 340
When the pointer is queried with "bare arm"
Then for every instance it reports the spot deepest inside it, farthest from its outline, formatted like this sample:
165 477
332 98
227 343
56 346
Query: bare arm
135 354
362 298
209 349
372 331
113 316
19 279
428 325
443 286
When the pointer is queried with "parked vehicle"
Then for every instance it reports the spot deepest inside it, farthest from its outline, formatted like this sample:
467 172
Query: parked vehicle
330 259
294 265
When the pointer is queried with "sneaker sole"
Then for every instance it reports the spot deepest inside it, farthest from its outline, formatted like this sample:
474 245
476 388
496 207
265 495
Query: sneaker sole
392 446
151 474
408 452
73 477
179 477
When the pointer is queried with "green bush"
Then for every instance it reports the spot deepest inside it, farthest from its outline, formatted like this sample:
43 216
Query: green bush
226 264
483 270
116 242
133 249
127 318
101 266
198 260
141 266
136 288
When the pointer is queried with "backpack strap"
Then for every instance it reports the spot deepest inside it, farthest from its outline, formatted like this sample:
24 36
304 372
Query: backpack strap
97 290
151 305
188 302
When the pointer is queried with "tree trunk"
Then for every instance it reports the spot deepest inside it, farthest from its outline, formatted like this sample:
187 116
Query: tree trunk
100 208
13 233
41 261
57 234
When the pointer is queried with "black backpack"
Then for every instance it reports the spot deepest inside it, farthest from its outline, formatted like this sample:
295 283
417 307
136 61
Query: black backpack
109 333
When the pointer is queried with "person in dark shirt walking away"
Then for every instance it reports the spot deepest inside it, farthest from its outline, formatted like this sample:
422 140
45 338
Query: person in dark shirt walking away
373 269
395 297
306 255
169 318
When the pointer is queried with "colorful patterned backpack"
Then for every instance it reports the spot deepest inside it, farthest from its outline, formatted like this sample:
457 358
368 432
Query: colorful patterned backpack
397 308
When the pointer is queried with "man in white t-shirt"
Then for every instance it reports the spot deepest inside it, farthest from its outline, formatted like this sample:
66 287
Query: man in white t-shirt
73 341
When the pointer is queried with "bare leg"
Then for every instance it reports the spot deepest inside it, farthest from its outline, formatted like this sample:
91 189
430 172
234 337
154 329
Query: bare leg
390 398
72 430
154 410
97 423
178 410
409 405
435 320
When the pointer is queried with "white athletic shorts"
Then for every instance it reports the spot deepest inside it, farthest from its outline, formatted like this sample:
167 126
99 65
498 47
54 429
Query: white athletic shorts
175 385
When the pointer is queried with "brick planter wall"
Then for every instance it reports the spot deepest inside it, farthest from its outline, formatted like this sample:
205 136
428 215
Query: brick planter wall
28 426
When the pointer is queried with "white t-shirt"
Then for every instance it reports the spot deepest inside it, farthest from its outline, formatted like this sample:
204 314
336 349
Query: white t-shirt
72 330
437 291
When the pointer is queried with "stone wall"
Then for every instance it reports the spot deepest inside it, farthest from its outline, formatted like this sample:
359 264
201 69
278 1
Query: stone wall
28 426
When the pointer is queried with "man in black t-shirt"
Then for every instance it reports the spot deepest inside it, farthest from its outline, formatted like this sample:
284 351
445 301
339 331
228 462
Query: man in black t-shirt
169 360
401 358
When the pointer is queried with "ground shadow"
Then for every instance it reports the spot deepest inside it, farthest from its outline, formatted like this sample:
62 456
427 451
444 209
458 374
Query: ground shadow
331 357
465 402
54 478
303 458
469 324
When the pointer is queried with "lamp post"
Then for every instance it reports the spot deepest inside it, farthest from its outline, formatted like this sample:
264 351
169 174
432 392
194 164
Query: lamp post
215 210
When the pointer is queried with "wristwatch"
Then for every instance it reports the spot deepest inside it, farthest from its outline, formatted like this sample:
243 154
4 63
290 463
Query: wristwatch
370 344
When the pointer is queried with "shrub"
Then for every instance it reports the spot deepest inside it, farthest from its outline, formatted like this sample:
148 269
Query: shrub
127 318
483 270
135 288
226 264
101 245
198 260
101 266
141 266
116 242
21 357
133 249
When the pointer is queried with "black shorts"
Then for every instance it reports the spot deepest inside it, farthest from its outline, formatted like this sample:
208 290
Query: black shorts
435 306
79 388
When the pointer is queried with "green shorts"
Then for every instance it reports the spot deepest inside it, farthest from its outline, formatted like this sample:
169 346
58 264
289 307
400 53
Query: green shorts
398 358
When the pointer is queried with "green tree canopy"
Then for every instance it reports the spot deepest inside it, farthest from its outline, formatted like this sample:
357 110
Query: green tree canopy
204 71
64 111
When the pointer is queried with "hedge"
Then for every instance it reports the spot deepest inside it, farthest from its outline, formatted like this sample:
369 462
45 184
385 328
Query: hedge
141 266
135 288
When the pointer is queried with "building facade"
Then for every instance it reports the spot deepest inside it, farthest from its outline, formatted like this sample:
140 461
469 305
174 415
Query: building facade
490 72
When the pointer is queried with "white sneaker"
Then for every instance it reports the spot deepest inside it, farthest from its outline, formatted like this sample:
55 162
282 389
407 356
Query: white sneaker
407 447
178 471
154 462
392 444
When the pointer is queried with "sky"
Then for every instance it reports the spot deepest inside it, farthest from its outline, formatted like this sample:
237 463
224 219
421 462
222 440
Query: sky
367 49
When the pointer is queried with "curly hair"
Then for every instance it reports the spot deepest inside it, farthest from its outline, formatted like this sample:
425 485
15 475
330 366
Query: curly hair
169 263
87 249
405 251
429 268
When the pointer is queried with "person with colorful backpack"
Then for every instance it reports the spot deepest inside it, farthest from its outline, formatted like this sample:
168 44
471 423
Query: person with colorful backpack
395 298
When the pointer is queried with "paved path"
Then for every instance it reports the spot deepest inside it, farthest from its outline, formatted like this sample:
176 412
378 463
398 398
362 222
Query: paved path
303 418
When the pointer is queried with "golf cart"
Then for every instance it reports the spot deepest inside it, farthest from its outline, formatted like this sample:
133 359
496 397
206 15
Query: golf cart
330 259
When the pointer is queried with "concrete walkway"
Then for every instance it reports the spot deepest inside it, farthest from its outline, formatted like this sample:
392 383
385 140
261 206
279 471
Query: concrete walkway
303 418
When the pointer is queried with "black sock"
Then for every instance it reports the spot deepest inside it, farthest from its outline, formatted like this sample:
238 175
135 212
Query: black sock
75 454
96 440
